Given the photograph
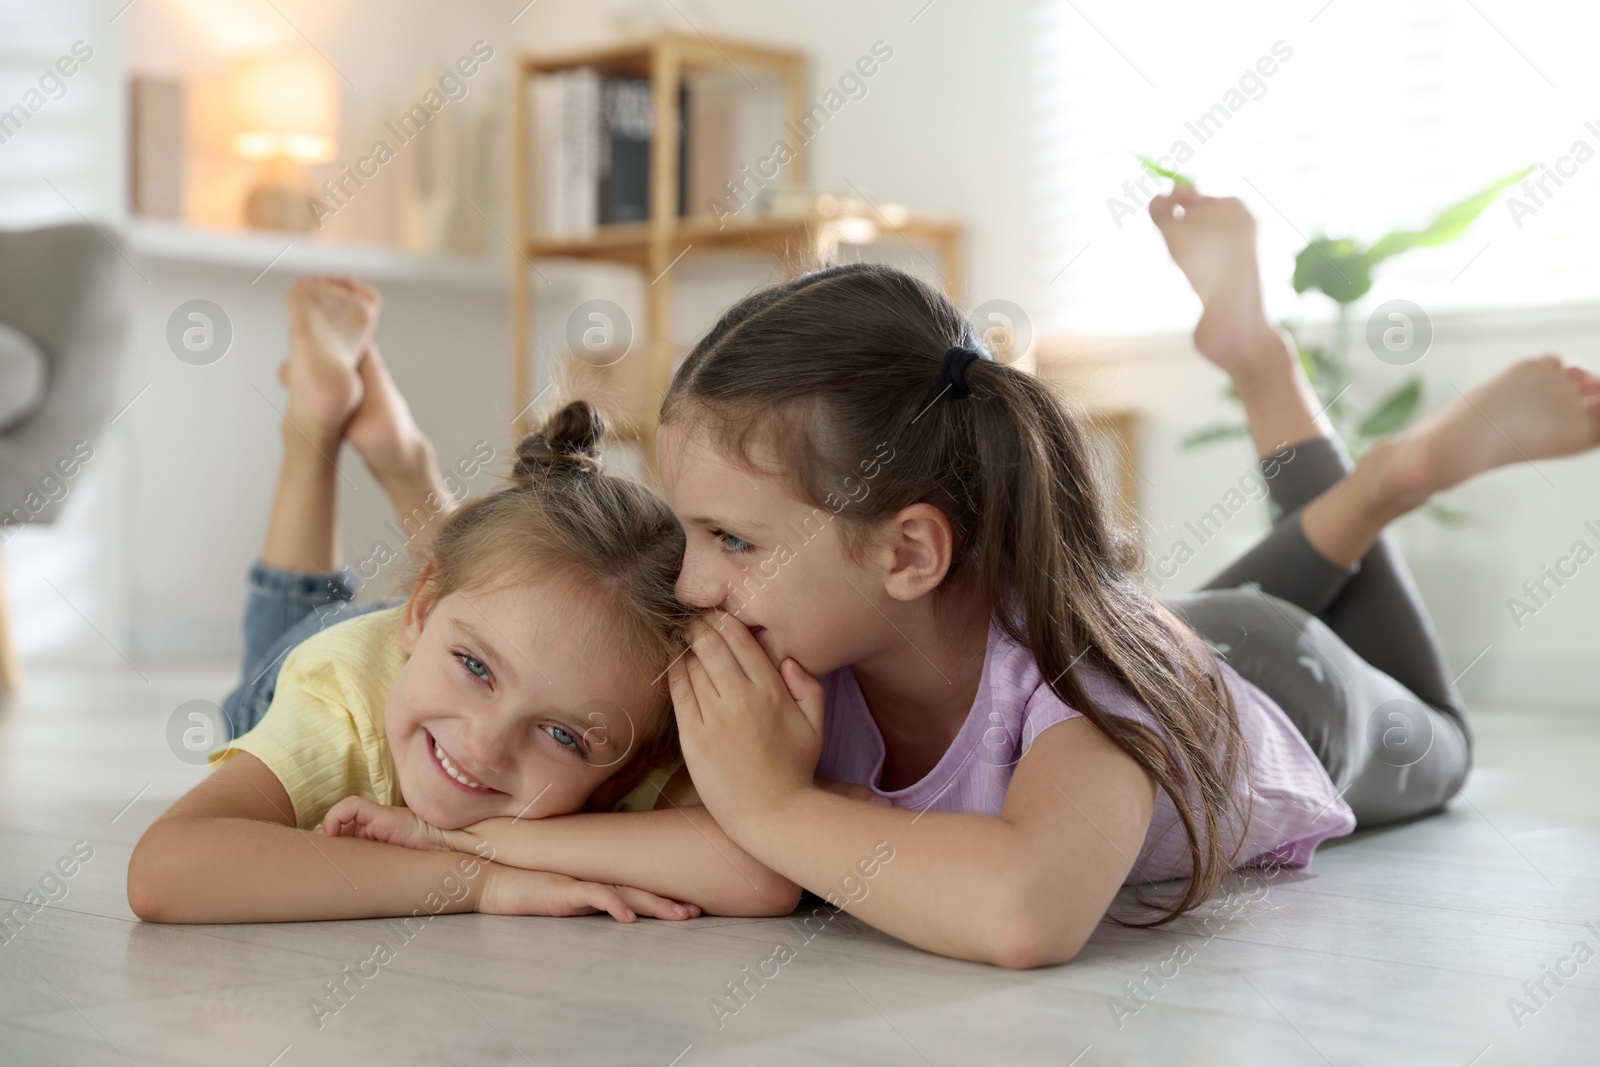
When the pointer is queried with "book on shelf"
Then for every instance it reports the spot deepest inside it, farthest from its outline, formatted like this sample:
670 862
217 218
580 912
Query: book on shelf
566 110
625 151
591 153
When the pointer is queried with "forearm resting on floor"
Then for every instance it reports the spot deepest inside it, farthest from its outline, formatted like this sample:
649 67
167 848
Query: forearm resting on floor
228 870
678 852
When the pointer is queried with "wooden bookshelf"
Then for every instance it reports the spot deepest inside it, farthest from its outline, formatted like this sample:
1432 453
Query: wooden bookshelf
656 244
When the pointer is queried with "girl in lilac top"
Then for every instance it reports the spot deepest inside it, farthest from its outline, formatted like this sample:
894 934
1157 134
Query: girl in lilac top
1296 805
916 535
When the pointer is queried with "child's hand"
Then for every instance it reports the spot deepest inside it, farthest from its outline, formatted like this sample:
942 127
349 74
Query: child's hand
751 737
514 891
368 820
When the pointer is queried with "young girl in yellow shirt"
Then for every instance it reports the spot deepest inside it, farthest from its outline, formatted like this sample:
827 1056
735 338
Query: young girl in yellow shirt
523 677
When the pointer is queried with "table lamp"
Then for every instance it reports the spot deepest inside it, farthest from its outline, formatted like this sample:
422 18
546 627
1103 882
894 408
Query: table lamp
285 111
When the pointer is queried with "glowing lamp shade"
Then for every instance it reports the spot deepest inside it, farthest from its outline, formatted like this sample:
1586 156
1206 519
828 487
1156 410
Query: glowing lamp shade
285 112
285 107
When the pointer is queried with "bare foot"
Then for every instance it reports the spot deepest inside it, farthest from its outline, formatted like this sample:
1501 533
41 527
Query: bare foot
1538 408
330 324
1213 241
382 428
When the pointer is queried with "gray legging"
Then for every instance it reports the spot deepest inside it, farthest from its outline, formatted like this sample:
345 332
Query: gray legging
1349 655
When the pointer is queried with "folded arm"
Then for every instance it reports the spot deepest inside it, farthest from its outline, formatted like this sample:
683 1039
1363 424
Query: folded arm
1024 889
229 851
676 850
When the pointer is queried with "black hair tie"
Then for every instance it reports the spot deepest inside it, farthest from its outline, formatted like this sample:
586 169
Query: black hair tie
953 372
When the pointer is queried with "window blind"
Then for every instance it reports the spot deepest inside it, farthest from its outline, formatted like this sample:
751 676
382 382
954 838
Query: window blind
1350 117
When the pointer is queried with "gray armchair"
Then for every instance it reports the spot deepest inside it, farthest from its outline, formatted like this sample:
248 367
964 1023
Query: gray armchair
64 289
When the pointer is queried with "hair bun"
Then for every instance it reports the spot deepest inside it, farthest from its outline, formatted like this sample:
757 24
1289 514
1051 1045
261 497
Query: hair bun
567 443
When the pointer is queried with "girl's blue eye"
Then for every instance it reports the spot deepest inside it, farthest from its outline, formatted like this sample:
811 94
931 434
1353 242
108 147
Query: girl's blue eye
472 664
563 737
732 543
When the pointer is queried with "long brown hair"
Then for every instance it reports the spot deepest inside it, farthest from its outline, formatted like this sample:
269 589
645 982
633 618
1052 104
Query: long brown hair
814 374
608 542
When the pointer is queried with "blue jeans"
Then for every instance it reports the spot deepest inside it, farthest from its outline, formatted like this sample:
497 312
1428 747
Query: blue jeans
284 609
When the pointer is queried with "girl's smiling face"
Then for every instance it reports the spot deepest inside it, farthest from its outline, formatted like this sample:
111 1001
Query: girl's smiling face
511 703
774 562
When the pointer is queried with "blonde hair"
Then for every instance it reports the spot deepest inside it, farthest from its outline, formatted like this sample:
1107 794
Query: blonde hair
608 542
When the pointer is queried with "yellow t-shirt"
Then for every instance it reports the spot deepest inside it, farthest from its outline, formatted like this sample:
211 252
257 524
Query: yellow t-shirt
323 735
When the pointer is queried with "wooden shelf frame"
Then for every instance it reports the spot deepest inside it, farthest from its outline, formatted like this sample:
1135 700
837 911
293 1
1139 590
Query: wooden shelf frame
656 244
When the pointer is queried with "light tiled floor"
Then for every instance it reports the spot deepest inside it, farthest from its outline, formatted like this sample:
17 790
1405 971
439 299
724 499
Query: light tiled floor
1397 947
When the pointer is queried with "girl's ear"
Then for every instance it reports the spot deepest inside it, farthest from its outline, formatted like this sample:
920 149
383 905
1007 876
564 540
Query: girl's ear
419 605
918 548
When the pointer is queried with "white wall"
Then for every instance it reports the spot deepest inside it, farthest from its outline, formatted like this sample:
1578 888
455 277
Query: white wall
150 560
206 440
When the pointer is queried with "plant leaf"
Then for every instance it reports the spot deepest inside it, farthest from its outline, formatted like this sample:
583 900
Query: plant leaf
1397 409
1163 172
1213 433
1336 266
1446 516
1342 268
1447 225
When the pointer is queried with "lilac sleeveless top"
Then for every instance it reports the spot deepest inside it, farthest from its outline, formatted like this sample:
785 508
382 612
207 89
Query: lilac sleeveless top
1296 806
